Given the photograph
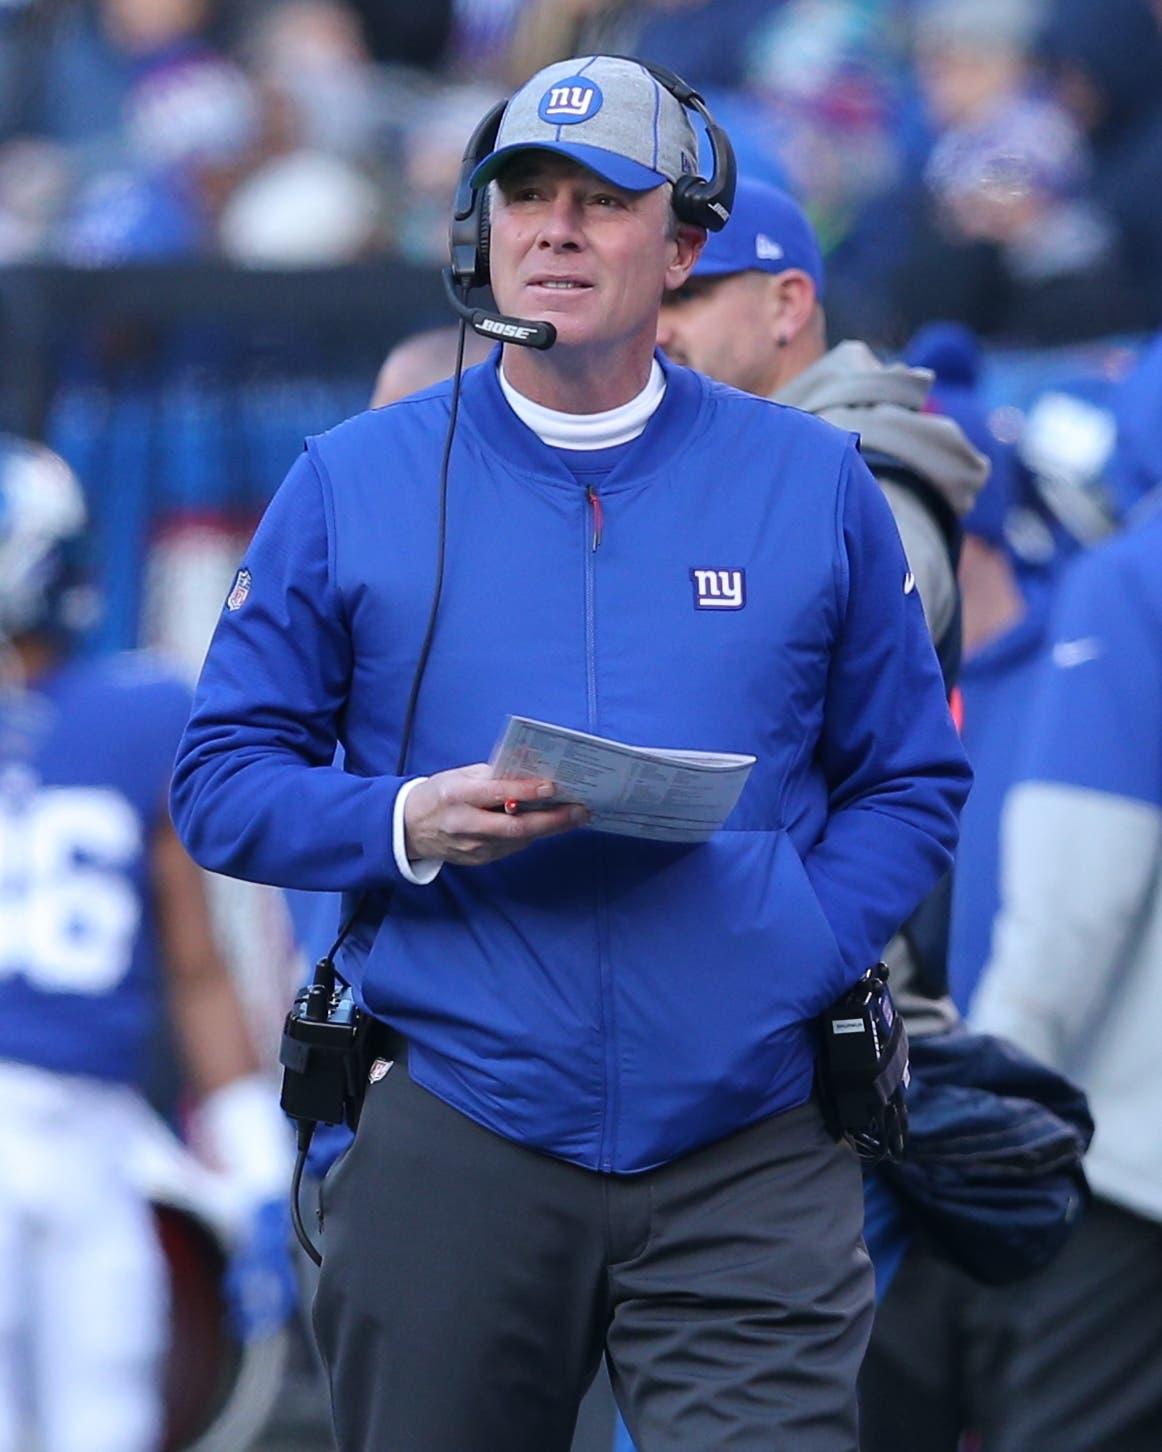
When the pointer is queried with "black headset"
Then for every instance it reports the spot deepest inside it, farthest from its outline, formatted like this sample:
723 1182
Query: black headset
697 200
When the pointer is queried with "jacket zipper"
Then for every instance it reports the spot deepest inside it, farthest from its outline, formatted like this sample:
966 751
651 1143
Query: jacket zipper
608 1115
598 515
598 519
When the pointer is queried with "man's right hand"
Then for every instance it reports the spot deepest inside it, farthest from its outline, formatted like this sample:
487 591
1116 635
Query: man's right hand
469 817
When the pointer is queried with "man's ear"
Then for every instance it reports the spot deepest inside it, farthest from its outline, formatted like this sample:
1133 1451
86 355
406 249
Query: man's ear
792 304
689 241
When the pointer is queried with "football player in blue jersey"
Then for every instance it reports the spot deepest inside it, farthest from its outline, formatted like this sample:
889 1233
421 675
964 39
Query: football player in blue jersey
103 926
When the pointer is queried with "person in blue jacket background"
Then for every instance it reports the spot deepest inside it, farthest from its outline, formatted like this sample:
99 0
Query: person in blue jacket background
604 1137
1075 977
949 1354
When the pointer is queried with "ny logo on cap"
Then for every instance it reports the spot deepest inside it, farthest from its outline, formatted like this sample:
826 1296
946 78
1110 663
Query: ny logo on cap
575 99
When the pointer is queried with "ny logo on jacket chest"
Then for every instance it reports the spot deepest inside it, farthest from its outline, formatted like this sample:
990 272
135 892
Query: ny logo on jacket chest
718 589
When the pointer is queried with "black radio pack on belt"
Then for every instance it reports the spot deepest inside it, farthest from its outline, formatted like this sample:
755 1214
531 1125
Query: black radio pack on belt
863 1068
324 1054
321 1055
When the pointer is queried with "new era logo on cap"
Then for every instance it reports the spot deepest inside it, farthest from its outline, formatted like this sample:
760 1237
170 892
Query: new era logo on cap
766 249
572 101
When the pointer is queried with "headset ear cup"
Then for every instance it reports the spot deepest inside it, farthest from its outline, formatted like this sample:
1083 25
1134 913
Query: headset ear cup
694 200
468 233
688 206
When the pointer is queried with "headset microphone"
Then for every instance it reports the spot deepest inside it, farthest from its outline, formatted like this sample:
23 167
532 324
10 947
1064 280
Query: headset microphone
499 326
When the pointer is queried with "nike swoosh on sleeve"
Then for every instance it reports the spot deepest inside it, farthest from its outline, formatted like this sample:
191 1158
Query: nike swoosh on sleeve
1070 653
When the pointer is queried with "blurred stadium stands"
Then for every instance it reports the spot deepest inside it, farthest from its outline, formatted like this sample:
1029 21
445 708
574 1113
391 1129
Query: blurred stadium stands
212 233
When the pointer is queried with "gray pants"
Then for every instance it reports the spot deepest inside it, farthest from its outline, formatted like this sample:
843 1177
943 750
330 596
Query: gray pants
470 1286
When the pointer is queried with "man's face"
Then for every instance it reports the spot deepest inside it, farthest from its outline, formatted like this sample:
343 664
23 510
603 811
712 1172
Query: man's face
724 327
583 254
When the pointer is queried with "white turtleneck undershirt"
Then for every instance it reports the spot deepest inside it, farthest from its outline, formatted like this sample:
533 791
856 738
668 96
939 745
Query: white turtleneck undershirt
588 430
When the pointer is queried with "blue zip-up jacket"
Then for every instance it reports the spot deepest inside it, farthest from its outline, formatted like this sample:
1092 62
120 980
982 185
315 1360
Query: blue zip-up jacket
613 1002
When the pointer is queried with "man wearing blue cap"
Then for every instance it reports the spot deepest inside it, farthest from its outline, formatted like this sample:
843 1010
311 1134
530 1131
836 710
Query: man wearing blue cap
595 1130
751 314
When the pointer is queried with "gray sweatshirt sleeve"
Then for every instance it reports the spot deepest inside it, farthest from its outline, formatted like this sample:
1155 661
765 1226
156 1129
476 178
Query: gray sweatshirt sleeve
927 553
1078 870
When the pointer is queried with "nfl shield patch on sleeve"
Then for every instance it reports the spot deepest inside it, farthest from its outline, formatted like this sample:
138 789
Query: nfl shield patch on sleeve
238 591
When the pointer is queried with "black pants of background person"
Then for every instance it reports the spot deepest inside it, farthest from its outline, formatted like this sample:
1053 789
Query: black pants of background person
1069 1360
470 1286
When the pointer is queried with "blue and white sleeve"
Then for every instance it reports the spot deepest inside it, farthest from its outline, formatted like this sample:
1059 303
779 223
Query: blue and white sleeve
1081 843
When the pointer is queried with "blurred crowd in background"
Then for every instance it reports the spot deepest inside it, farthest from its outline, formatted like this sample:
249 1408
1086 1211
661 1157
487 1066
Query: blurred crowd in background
985 178
997 162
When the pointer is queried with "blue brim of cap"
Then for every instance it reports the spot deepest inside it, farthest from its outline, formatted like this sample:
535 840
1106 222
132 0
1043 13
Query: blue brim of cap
726 266
732 266
620 170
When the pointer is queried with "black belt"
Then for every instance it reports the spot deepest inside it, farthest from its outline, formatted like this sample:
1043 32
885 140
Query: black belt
382 1041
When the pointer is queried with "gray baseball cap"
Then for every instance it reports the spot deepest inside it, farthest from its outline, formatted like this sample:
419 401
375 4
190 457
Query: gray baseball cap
608 114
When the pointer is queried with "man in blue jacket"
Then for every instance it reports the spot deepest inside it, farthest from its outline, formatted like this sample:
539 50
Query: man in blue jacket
1075 977
605 1136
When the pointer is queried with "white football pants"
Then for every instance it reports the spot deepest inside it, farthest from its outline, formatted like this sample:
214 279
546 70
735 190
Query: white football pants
83 1284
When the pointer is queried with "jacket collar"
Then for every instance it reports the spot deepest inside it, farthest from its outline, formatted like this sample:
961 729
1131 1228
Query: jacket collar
498 431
